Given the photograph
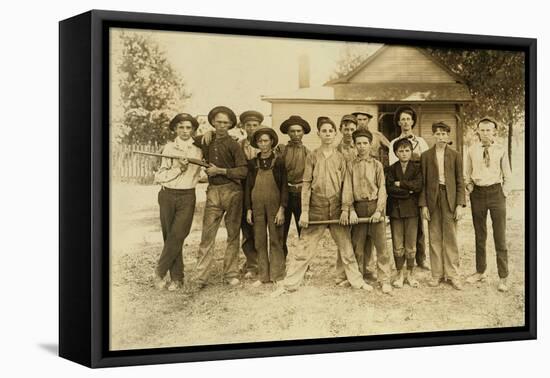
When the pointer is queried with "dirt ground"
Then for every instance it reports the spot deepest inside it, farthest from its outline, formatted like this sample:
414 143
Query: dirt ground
143 317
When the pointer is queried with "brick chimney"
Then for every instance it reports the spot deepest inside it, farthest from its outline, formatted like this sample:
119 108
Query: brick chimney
303 71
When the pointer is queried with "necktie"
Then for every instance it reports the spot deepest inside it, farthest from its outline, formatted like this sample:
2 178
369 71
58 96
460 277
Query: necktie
486 157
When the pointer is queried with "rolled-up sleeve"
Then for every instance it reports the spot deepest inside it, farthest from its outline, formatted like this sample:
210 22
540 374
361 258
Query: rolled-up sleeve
306 183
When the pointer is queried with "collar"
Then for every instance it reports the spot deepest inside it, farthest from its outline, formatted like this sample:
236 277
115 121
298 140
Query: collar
348 146
271 155
292 143
181 144
367 158
412 136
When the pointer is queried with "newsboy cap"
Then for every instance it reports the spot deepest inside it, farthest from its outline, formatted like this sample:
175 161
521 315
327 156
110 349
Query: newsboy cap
440 125
295 120
362 133
402 142
251 115
364 113
181 117
406 109
488 119
348 118
225 110
264 131
322 120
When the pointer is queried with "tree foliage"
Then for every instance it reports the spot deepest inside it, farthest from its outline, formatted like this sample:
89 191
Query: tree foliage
151 91
495 78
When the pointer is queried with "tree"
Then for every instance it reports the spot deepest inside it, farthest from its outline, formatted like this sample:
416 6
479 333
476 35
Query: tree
351 56
151 91
496 80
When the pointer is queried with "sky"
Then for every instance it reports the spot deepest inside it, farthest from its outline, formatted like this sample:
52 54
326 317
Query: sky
237 70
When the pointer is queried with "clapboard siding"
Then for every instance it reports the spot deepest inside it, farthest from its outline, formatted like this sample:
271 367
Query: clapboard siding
310 112
402 64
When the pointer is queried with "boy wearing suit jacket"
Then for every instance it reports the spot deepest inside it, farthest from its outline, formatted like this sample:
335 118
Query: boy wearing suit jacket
403 184
442 200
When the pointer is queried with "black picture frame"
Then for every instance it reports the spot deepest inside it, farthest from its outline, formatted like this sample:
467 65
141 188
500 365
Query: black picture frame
84 188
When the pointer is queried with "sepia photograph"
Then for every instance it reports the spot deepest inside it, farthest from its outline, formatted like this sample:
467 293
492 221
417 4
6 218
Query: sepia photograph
276 189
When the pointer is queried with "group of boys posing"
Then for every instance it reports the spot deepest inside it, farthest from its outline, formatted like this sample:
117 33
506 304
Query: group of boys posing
258 185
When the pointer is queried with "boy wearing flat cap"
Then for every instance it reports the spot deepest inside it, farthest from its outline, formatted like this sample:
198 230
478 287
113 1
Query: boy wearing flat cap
403 183
379 140
405 118
442 200
224 196
176 198
487 177
251 121
369 200
326 195
294 155
266 196
348 125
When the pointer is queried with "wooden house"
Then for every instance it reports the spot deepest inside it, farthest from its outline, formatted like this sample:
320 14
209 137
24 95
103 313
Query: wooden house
392 76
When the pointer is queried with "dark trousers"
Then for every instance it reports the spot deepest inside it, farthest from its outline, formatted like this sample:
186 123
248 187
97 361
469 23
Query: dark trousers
247 244
176 216
294 207
366 235
403 234
420 243
490 199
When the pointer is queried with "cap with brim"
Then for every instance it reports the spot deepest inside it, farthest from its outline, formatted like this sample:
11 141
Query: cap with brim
440 125
400 142
181 117
364 113
322 120
489 119
362 133
267 131
251 115
295 120
402 109
348 118
222 109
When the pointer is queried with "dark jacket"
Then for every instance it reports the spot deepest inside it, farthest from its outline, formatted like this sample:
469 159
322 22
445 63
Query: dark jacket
454 182
403 199
279 174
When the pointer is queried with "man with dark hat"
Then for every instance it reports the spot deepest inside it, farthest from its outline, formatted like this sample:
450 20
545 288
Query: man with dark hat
378 139
251 121
224 195
405 118
176 198
294 155
266 196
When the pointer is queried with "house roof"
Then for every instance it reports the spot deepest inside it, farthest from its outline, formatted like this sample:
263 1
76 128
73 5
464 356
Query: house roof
379 93
448 88
371 58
